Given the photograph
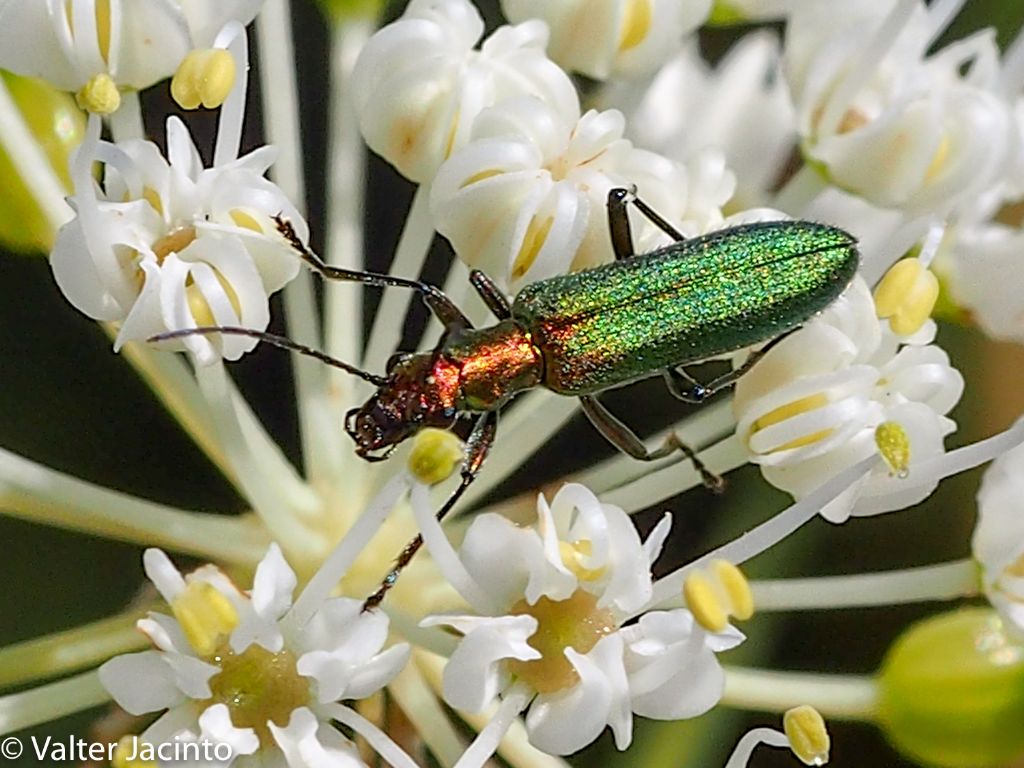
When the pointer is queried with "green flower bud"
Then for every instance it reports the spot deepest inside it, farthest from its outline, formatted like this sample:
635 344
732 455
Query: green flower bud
951 691
58 126
724 15
340 10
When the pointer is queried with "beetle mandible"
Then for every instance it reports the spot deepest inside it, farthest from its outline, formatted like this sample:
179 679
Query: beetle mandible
579 334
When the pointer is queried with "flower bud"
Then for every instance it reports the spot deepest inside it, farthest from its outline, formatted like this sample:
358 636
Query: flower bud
58 126
341 10
951 691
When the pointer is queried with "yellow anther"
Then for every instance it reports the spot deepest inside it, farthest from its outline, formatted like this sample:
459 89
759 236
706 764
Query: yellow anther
894 445
206 616
907 296
807 734
636 23
200 307
715 594
175 241
435 454
573 555
704 602
788 411
939 159
102 20
205 77
126 754
534 239
736 586
480 176
245 220
100 95
152 197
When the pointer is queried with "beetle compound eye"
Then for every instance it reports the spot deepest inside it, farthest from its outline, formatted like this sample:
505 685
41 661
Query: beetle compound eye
394 360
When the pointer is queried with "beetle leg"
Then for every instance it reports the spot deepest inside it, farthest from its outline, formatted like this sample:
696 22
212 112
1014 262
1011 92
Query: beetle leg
686 388
618 221
444 309
492 296
627 441
477 447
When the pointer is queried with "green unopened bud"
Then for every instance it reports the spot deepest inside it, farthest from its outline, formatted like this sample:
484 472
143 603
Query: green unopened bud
59 126
951 691
724 15
342 10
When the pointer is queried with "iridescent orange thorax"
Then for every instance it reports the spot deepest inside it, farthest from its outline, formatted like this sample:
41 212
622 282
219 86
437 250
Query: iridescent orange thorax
494 364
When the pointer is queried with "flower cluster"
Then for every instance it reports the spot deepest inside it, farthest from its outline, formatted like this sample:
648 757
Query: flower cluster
580 132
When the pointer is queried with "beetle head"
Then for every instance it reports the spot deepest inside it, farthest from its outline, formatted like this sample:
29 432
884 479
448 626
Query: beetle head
412 398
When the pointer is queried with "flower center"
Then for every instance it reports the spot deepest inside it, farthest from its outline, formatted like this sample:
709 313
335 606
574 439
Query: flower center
258 687
173 242
576 623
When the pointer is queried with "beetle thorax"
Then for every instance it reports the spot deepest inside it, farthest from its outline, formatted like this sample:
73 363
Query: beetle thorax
494 364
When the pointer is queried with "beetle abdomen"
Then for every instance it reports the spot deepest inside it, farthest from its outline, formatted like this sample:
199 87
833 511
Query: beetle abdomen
686 302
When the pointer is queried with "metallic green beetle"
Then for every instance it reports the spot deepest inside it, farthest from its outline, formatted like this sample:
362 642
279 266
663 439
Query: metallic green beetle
583 333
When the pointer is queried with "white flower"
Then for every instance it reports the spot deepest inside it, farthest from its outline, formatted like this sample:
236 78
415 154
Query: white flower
811 407
419 83
167 244
526 198
133 42
551 603
887 123
230 668
984 276
741 107
602 37
998 542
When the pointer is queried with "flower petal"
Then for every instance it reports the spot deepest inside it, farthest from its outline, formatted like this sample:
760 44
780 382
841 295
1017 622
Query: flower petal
140 682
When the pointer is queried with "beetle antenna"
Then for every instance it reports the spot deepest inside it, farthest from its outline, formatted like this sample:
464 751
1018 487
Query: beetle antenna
276 341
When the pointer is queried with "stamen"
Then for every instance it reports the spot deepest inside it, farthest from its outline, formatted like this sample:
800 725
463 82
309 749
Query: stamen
534 239
716 594
791 410
894 445
808 737
636 23
434 456
127 746
100 95
907 295
205 77
573 554
206 616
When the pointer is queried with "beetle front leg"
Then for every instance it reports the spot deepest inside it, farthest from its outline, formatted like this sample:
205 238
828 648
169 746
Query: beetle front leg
477 447
626 440
444 309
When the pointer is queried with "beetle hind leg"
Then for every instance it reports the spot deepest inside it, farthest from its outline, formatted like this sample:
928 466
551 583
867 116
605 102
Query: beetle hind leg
685 387
626 440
